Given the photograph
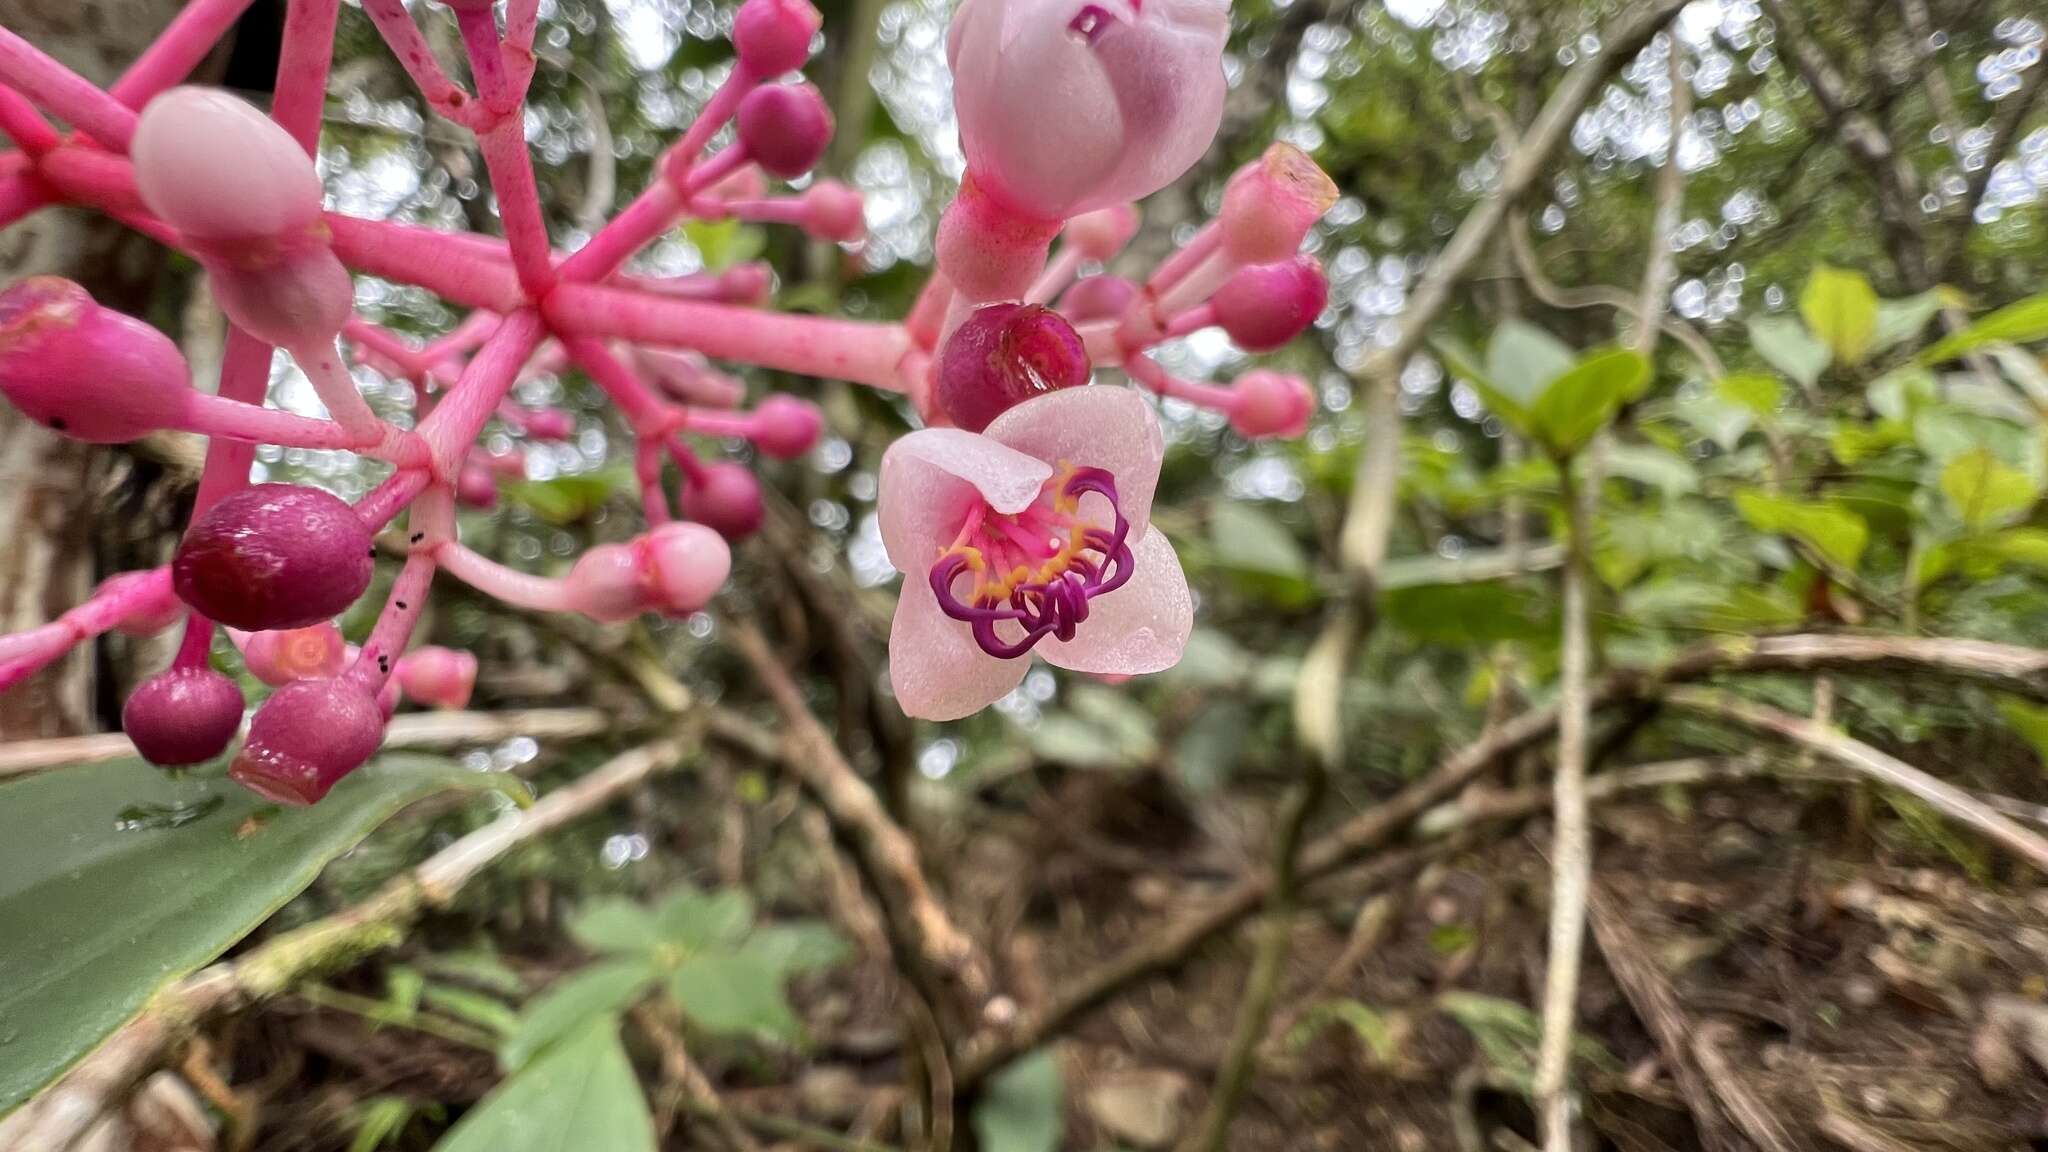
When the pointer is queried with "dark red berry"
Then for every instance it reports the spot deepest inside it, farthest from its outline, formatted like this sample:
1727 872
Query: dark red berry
274 556
306 737
1003 355
182 716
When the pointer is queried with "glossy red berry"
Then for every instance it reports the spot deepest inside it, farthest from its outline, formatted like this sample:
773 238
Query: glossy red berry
1003 355
306 737
726 498
785 128
274 556
182 716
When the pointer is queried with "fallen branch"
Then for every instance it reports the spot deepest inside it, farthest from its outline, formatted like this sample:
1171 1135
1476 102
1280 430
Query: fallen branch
414 730
55 1119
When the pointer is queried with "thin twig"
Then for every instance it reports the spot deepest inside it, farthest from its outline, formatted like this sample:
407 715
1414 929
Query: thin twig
688 1081
61 1114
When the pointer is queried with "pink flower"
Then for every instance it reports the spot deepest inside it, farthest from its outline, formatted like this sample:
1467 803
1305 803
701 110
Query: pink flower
1071 105
1033 536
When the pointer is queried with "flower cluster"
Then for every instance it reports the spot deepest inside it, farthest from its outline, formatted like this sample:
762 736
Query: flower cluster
1020 513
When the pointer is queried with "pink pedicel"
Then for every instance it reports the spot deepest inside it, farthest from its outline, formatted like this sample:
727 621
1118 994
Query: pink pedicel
726 497
306 737
87 371
1266 404
1030 518
274 556
1003 355
1270 204
784 128
1097 298
772 37
1035 536
182 716
315 652
1264 306
437 677
1138 98
785 427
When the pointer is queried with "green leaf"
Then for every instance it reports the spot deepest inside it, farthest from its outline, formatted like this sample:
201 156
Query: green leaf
2030 721
2020 323
1832 530
1582 401
1246 539
735 994
615 924
486 1012
724 243
1983 492
99 911
567 499
1901 320
1024 1107
1754 391
1484 612
695 920
581 1095
1789 348
1840 308
1522 361
796 948
1205 754
1463 364
2026 547
1372 1028
1668 471
604 989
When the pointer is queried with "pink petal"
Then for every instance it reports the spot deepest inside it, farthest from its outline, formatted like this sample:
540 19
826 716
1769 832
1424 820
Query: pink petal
936 669
1100 427
931 480
1141 627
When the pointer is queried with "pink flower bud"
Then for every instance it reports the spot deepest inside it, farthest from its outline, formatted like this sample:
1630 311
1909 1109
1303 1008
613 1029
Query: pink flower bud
215 168
1101 234
550 424
274 556
298 299
834 212
182 716
1266 404
748 283
315 652
774 36
1071 105
605 583
1003 355
784 128
688 564
725 498
476 487
1270 204
83 370
306 737
438 677
1097 298
1263 306
786 427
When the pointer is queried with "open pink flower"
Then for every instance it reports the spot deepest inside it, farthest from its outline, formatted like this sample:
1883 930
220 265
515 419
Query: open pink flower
1034 535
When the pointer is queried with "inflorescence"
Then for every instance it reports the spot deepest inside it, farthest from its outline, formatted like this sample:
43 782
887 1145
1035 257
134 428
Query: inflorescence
1021 512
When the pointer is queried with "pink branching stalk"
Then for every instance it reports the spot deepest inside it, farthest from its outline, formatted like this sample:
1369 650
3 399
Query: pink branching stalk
1021 513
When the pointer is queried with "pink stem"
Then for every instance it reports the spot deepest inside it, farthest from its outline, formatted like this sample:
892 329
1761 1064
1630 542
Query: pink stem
504 148
719 422
416 56
20 194
1193 320
651 213
64 93
433 525
1193 287
928 315
24 125
24 653
233 420
1146 371
514 587
1057 275
649 416
437 261
454 425
402 357
864 353
337 390
244 378
196 645
1183 261
302 63
385 501
474 329
714 287
647 469
177 49
717 111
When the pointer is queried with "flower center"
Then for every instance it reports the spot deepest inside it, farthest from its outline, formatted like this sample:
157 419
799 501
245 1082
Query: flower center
1034 572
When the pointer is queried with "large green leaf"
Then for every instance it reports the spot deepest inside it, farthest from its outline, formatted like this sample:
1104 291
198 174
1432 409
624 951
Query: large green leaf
1790 348
115 881
605 989
581 1095
693 920
1840 308
2021 323
1024 1107
734 993
1522 360
1248 540
1582 400
1983 491
1829 528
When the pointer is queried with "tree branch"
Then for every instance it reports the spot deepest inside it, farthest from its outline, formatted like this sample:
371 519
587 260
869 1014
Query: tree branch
2005 128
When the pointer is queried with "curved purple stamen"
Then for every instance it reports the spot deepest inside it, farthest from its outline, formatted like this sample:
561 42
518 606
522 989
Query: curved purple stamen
1054 607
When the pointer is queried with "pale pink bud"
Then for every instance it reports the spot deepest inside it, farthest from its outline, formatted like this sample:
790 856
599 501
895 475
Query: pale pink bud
83 370
1263 306
774 36
784 128
216 169
306 737
1266 404
298 299
182 716
550 424
476 487
748 283
785 427
605 583
438 677
1003 355
274 556
834 212
1071 105
688 564
1097 298
727 498
1101 234
1270 204
315 652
